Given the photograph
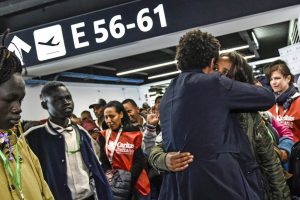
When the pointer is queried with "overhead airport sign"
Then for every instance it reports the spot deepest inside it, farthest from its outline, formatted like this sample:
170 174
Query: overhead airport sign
127 23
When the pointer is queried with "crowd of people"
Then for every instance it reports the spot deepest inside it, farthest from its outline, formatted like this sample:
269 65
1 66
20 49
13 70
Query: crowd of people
216 133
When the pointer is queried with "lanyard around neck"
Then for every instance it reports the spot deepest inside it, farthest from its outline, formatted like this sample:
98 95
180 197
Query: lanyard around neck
77 142
114 144
277 111
16 179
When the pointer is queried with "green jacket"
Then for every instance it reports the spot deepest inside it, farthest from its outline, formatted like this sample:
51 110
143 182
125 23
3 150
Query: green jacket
157 156
275 187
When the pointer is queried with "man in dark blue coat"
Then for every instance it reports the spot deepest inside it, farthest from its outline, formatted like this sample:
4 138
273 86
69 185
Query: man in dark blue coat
65 150
195 117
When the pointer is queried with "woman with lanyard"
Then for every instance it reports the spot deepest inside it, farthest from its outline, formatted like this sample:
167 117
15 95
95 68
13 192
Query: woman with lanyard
121 150
287 107
21 175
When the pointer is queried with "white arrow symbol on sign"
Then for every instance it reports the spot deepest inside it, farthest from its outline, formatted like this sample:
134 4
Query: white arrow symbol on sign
17 45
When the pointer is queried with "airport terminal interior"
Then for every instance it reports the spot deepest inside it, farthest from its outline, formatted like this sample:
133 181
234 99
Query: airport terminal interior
114 61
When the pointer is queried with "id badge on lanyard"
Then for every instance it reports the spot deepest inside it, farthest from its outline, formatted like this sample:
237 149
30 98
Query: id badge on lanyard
110 157
277 113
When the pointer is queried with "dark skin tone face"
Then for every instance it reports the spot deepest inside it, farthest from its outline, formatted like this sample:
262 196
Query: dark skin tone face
60 105
133 112
12 93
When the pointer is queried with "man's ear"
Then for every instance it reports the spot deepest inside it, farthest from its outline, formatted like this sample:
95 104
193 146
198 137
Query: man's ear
44 104
212 64
289 78
210 67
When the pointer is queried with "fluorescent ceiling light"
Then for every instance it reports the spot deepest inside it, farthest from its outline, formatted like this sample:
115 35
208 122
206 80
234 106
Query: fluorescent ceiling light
248 57
255 39
234 49
146 68
178 71
259 62
166 74
174 62
253 64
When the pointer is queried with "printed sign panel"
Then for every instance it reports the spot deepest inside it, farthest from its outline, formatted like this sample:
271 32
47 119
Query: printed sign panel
49 42
127 23
291 55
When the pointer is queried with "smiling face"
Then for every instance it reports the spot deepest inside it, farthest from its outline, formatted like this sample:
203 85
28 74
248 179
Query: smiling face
12 93
279 82
59 103
133 112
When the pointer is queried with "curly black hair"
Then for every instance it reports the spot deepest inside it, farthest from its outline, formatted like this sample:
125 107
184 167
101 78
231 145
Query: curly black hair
240 70
9 62
196 49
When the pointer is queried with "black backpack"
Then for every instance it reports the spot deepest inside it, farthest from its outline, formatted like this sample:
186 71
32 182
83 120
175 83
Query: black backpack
294 168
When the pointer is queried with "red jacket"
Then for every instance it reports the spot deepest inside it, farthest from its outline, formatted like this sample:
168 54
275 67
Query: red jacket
123 158
291 118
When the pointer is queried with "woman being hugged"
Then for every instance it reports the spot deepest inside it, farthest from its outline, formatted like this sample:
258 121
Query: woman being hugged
252 123
121 152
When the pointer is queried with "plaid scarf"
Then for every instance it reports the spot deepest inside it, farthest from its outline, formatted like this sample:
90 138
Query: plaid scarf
285 99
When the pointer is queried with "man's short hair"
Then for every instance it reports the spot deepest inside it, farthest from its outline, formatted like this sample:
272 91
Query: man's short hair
49 87
196 49
157 98
130 101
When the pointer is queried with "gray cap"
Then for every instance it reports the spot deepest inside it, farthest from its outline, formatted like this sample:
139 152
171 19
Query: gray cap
99 102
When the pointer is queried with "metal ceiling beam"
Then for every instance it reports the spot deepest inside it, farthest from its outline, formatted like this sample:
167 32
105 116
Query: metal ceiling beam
103 67
293 35
13 6
168 51
100 78
114 69
252 46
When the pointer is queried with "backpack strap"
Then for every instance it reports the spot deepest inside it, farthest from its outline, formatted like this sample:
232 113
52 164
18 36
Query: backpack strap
272 132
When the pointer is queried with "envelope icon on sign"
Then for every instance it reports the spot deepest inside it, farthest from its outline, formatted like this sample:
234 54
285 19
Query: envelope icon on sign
49 42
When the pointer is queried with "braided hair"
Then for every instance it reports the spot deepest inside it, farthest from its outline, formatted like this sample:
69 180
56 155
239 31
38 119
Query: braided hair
9 62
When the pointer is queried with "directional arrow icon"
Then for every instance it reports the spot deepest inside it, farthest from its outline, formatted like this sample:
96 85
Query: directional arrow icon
17 45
